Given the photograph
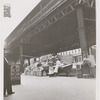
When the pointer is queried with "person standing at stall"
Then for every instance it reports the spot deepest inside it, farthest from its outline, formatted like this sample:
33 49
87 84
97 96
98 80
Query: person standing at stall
51 68
58 64
7 80
35 68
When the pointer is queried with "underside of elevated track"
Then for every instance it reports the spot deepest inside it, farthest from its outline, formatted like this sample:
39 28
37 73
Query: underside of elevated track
54 26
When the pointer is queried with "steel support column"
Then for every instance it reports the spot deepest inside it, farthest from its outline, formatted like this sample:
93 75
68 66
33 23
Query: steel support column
29 61
21 58
81 30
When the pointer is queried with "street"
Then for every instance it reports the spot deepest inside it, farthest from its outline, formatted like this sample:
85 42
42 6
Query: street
54 88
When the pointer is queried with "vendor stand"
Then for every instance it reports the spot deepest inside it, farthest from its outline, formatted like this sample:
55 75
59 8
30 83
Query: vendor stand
15 74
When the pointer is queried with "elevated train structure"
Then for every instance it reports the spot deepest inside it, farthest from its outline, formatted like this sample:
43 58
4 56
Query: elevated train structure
53 26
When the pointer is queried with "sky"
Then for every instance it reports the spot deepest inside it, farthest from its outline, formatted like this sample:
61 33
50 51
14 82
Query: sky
19 9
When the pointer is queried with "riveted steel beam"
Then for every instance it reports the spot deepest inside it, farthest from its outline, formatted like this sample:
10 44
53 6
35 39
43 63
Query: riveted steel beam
57 16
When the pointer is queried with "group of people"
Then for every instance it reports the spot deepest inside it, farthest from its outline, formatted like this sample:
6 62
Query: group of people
34 68
54 65
51 65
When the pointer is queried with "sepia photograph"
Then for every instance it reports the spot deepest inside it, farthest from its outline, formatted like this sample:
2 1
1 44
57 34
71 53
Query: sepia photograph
49 50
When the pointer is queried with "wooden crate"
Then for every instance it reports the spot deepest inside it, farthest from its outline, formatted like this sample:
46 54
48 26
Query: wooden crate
15 74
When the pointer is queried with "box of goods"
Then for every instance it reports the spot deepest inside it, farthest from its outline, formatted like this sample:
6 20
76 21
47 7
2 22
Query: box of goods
15 74
86 76
44 73
86 70
79 71
73 72
39 73
79 75
93 72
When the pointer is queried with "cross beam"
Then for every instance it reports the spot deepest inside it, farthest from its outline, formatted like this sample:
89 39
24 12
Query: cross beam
56 17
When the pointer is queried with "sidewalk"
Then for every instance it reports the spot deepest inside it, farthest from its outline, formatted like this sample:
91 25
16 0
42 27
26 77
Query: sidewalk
55 88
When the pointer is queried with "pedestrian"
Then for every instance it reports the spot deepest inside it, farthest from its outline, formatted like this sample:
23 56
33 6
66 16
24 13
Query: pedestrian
35 68
7 80
58 64
51 68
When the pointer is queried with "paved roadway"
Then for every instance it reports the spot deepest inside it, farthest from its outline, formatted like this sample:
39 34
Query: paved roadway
55 88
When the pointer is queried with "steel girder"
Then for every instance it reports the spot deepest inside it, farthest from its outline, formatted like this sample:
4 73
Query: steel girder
56 17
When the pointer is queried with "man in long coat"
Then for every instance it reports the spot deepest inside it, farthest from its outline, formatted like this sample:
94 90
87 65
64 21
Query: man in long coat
7 80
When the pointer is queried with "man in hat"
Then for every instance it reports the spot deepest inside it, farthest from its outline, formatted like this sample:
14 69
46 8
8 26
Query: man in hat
7 80
58 64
